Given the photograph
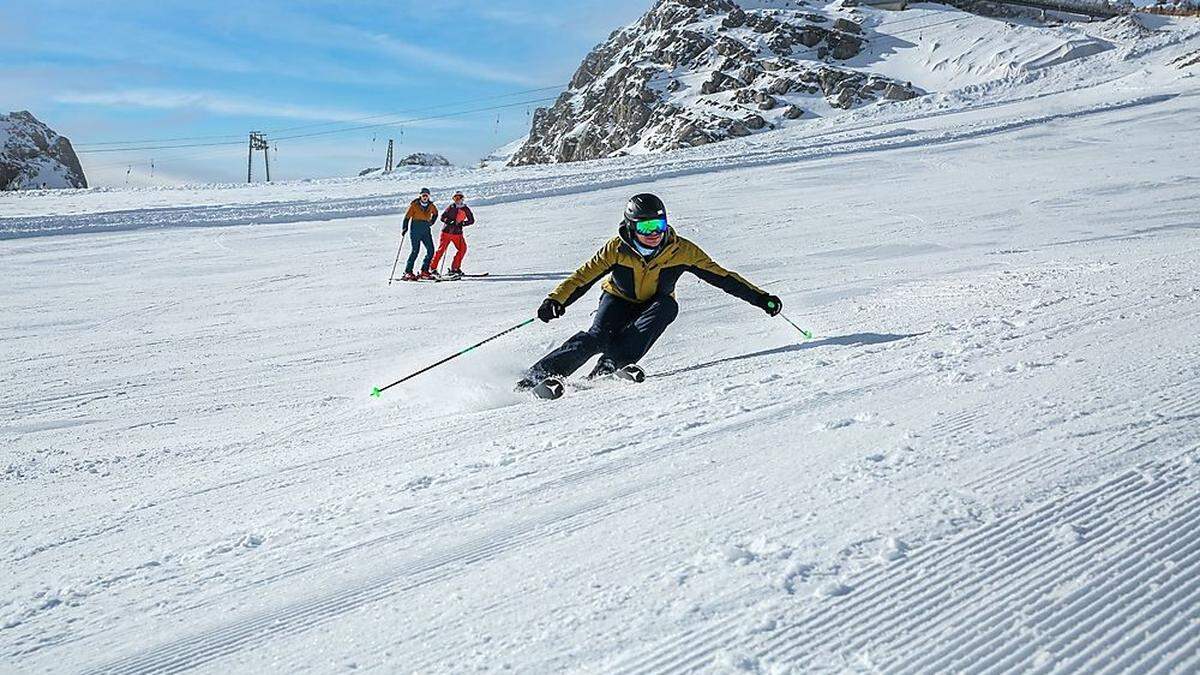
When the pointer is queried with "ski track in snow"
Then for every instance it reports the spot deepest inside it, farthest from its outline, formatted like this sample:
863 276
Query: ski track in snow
985 461
971 605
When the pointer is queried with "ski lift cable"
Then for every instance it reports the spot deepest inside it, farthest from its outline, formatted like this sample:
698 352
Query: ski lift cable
313 125
319 133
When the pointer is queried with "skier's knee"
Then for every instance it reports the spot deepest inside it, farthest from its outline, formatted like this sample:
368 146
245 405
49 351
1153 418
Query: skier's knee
668 308
587 340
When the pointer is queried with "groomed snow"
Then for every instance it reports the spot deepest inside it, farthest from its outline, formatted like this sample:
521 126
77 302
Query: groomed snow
987 458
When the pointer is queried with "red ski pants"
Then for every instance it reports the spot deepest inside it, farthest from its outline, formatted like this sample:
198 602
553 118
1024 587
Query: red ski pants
460 250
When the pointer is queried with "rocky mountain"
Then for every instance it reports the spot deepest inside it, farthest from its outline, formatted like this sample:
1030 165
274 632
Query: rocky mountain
416 159
692 72
33 156
424 159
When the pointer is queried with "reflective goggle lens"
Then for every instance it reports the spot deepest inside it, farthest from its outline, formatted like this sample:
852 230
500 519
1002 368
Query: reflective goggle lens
648 227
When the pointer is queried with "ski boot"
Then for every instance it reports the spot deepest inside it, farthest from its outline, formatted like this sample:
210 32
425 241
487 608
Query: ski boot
605 367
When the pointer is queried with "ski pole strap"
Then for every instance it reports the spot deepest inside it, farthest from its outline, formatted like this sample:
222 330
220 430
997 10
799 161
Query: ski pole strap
379 390
807 334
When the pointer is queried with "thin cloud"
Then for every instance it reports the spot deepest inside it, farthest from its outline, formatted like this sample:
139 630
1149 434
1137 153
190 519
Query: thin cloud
516 17
438 60
222 104
169 99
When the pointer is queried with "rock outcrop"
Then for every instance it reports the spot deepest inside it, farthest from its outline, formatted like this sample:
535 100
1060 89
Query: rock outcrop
692 72
424 159
33 156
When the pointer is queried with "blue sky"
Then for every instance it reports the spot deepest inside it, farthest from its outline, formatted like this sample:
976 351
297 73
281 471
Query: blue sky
106 71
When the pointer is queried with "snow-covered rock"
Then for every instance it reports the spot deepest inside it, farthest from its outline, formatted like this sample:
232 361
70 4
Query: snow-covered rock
501 155
33 156
691 72
1177 7
424 159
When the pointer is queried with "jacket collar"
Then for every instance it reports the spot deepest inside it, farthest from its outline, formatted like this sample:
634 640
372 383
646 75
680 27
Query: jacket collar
626 235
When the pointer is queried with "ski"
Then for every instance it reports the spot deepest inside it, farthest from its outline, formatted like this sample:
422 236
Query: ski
458 277
552 387
440 279
549 389
448 277
631 373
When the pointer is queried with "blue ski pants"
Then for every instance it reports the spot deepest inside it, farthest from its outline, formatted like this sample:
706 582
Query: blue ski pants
420 233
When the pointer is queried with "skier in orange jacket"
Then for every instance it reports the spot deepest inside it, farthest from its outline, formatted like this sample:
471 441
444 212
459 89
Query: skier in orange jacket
418 223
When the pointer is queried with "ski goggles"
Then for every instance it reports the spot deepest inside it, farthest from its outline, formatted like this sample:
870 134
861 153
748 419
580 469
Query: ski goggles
651 227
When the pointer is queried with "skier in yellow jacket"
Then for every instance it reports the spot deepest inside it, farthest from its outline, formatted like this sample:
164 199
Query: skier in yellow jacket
643 263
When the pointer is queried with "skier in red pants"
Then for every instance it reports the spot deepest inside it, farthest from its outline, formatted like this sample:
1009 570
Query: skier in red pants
456 216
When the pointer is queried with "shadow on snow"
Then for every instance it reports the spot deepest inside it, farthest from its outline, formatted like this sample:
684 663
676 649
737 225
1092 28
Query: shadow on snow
854 340
532 276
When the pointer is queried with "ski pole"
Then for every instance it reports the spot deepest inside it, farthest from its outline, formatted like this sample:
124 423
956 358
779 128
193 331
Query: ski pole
379 390
392 276
807 334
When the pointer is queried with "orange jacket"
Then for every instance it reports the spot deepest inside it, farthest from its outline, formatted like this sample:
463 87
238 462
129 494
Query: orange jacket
427 213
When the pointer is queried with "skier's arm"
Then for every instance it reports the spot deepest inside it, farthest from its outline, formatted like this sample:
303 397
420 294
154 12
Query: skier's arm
731 282
574 286
470 217
408 218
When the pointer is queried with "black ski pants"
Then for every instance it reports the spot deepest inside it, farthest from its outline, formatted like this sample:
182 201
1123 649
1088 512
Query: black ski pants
622 331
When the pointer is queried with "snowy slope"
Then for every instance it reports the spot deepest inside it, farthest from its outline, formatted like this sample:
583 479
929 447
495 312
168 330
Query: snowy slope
939 50
987 459
502 154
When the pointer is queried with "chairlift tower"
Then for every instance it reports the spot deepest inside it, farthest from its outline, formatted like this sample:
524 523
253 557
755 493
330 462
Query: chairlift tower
258 141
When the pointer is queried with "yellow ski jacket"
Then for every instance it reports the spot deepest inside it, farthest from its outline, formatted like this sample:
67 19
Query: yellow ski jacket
639 279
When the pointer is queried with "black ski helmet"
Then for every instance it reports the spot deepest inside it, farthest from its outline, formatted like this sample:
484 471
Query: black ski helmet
644 206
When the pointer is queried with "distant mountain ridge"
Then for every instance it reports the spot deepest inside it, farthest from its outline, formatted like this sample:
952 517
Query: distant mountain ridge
692 72
33 156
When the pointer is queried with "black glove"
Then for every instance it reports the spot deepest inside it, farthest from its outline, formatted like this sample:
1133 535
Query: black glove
771 304
550 309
